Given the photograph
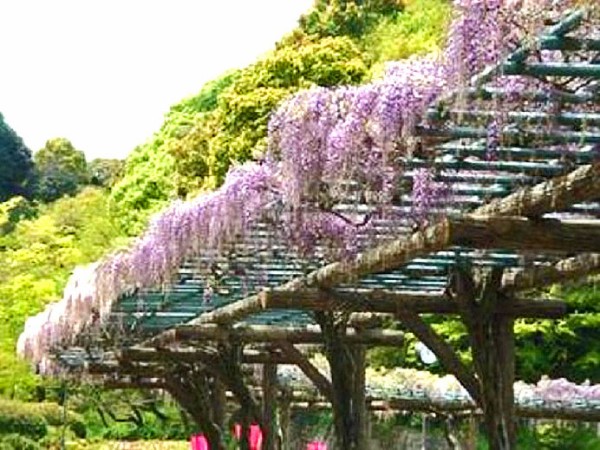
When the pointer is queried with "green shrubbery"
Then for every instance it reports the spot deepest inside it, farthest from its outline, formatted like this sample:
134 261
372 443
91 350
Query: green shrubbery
21 418
17 442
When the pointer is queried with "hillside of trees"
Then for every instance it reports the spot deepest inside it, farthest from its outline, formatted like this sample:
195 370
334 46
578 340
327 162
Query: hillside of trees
58 210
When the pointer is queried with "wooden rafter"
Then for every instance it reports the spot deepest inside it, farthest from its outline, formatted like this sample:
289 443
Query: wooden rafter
544 275
516 233
297 335
169 355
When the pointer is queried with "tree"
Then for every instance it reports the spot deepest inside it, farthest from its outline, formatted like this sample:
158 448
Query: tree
16 166
105 172
61 170
236 129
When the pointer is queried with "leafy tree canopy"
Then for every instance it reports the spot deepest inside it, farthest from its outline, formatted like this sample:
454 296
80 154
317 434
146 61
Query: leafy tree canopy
351 18
61 169
16 166
104 172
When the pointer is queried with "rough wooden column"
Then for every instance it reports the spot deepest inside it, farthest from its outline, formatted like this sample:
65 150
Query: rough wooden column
218 402
347 379
360 399
285 418
269 388
191 389
227 367
491 337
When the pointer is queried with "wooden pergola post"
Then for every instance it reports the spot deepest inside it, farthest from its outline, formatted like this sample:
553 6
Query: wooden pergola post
219 403
285 418
192 389
269 388
491 337
348 384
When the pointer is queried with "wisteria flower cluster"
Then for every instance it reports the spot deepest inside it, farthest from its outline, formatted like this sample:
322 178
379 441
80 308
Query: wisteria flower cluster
418 384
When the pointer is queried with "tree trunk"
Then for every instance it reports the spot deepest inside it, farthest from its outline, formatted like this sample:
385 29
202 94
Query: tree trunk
270 406
192 392
348 382
492 344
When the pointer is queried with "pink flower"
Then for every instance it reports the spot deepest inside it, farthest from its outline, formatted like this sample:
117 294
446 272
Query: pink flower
199 442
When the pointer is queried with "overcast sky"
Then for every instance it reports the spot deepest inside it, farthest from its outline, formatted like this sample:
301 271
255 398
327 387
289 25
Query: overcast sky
103 73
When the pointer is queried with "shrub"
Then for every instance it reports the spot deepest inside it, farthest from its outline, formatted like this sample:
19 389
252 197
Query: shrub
20 418
17 442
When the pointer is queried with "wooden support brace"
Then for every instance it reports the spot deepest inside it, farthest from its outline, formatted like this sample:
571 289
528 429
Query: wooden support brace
444 352
319 380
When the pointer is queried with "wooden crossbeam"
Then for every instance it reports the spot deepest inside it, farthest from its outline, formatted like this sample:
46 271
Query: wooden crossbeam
297 335
521 234
146 370
556 194
390 302
191 356
157 383
557 411
544 275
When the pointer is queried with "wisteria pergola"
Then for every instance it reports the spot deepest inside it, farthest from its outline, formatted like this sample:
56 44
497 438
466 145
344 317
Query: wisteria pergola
522 219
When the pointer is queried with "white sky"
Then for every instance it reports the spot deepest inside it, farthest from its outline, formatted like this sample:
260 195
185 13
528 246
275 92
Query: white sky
102 73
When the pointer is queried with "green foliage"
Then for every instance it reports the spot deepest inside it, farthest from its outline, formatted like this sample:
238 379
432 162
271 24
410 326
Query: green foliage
35 262
104 172
417 30
567 348
206 99
16 166
552 436
12 211
61 170
236 129
20 418
147 185
351 18
17 442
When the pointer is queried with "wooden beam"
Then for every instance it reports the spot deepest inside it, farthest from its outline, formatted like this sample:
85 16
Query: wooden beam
544 275
145 370
132 383
297 335
321 382
556 194
192 355
303 400
444 352
314 299
385 301
361 299
515 233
